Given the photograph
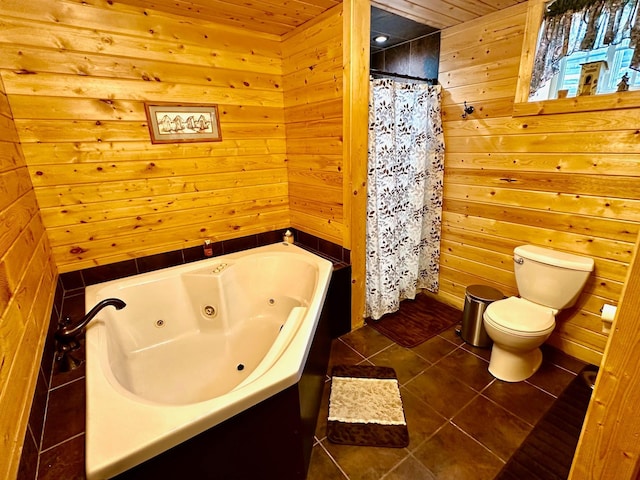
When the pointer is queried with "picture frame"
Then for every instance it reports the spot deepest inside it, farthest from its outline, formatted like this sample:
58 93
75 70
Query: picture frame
183 122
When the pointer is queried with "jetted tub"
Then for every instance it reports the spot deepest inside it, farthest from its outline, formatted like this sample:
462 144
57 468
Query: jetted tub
195 345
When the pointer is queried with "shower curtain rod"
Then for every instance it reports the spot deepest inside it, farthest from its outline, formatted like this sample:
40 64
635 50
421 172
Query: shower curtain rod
432 81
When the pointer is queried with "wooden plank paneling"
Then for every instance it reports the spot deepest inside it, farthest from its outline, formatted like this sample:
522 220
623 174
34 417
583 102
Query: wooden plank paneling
86 212
325 57
567 181
618 120
139 244
561 239
608 446
312 66
268 15
27 284
71 108
472 55
496 70
151 23
114 229
525 215
439 13
496 27
116 89
52 175
621 209
232 55
13 184
327 109
190 189
29 60
79 152
603 163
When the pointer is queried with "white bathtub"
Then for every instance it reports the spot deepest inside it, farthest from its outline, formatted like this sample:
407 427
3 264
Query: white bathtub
195 345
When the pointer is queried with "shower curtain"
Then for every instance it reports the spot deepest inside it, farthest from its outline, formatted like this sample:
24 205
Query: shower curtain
404 199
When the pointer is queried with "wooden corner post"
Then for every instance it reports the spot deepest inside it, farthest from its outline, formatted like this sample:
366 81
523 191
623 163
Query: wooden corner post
356 27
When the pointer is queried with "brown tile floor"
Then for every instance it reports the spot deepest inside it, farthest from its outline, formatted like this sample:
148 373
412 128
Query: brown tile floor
463 423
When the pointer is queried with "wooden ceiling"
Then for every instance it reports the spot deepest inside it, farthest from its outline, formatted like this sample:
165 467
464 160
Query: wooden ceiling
442 14
269 16
281 16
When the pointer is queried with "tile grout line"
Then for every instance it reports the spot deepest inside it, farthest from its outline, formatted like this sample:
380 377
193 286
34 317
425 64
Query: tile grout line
478 442
397 464
46 405
351 348
65 384
73 437
428 439
532 425
335 462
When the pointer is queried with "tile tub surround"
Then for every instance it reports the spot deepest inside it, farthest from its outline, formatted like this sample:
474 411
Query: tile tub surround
40 447
79 279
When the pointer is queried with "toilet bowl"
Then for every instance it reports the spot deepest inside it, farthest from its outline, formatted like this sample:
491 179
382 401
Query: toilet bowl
548 281
518 328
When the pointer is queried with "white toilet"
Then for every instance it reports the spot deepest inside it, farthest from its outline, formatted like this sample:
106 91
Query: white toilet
548 281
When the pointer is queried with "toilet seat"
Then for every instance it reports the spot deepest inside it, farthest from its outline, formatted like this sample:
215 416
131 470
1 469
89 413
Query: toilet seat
520 317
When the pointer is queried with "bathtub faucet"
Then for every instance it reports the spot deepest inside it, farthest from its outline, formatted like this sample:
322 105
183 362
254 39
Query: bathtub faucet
67 335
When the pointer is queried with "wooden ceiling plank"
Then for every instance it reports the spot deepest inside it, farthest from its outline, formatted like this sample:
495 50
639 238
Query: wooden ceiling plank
280 17
221 12
416 12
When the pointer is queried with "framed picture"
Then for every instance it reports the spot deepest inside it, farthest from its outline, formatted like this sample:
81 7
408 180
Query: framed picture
183 122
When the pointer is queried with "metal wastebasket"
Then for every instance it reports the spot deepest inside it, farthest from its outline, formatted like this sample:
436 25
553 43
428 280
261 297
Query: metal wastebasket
476 300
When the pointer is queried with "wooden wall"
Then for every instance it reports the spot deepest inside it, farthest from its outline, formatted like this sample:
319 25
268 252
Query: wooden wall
608 446
27 283
77 74
312 79
568 181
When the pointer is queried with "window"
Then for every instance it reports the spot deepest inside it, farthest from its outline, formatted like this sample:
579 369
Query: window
574 32
533 75
618 58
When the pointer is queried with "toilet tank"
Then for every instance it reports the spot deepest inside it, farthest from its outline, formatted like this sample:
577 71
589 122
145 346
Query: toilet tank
549 277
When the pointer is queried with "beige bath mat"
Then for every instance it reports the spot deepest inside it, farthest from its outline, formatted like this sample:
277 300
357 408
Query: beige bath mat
365 407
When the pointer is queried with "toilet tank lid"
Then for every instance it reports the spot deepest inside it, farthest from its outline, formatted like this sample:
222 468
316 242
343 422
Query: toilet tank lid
555 257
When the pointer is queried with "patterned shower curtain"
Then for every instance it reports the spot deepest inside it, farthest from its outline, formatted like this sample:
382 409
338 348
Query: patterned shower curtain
404 204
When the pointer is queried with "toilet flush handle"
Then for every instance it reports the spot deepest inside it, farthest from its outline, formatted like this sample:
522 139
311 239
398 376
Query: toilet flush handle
518 260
